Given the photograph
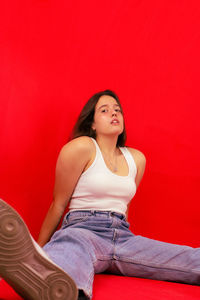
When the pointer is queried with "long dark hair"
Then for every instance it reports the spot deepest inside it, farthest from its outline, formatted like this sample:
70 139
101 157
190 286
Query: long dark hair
83 126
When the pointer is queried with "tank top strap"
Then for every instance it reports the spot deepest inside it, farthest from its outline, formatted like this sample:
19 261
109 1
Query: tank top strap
98 151
130 160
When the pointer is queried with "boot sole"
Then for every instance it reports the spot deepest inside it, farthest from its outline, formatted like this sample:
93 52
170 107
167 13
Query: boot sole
31 274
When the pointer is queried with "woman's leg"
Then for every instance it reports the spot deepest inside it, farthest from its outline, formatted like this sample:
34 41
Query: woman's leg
71 249
25 266
143 257
83 246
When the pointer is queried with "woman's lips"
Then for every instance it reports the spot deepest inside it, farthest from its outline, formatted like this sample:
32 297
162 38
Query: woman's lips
115 121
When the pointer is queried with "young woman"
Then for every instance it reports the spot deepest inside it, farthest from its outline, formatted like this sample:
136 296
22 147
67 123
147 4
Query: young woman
97 176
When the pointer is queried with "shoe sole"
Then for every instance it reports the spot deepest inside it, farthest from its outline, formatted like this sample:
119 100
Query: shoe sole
30 274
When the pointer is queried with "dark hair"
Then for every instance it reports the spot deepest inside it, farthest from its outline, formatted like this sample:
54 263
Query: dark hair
83 126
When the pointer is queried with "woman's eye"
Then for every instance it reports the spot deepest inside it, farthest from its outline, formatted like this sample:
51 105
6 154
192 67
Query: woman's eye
105 110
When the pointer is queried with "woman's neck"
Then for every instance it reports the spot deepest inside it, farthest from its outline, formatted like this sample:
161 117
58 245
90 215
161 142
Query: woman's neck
107 144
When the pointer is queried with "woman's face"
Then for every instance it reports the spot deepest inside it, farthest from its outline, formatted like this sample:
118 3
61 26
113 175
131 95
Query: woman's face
108 118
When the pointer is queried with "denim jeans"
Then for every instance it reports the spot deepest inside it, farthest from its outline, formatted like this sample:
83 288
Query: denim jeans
91 242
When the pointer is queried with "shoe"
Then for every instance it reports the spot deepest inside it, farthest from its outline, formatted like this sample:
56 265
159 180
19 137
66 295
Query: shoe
24 264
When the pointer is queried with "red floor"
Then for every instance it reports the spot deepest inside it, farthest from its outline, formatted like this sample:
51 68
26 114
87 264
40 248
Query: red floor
107 287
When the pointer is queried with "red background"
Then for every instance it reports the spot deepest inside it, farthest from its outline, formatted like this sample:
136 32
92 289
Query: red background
54 55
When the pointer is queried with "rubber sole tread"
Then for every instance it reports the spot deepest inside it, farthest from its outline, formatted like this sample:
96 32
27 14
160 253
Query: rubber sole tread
30 274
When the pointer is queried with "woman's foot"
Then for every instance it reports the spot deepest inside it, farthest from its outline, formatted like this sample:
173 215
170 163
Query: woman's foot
25 266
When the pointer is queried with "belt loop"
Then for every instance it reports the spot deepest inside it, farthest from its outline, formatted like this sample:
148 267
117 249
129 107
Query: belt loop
92 212
110 214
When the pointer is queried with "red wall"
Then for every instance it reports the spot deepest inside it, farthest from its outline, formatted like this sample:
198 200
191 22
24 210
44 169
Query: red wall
55 54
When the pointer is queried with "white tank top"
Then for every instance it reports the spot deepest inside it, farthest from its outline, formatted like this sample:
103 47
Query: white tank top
98 188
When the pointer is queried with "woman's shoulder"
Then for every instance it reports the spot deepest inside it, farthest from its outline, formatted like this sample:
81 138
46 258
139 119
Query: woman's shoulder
136 152
138 156
80 145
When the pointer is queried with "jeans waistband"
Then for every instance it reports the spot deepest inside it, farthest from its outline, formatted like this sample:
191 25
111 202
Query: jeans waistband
97 213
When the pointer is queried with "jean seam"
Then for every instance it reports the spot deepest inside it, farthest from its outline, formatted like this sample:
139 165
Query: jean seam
157 266
89 284
104 258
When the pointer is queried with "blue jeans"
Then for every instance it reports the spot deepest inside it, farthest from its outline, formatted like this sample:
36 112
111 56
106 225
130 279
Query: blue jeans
92 242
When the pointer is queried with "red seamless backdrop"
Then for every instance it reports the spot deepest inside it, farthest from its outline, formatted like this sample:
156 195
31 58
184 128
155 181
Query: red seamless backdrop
55 54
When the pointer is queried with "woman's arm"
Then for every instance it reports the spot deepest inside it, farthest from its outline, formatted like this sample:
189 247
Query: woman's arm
140 162
71 162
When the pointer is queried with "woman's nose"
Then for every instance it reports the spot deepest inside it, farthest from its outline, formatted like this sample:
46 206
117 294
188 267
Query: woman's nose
114 113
